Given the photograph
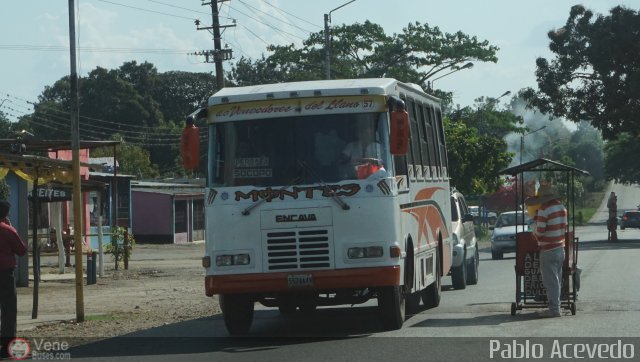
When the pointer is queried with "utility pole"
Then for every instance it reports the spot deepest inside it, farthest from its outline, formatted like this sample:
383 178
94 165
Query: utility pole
327 40
75 156
218 54
327 47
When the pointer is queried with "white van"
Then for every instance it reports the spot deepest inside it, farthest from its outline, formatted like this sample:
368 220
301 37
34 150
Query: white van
464 267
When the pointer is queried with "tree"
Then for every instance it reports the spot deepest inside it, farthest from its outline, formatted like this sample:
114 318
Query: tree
586 150
132 159
6 130
108 104
146 108
474 160
621 159
180 93
488 120
365 51
595 75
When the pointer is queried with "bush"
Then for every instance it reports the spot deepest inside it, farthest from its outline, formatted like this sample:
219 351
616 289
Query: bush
121 246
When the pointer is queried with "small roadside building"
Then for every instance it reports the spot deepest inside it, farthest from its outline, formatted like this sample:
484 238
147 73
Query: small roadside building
170 213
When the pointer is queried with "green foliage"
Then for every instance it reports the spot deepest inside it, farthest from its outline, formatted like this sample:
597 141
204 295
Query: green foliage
180 93
365 51
621 162
5 191
595 75
474 160
118 249
488 120
6 129
133 103
132 159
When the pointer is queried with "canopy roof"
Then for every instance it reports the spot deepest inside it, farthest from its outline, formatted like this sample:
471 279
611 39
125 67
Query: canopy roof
30 167
45 169
541 164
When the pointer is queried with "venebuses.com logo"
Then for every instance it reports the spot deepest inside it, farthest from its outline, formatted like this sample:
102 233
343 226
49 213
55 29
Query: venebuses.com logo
38 349
19 348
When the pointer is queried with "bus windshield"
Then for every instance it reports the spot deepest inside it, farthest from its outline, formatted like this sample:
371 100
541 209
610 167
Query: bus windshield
298 150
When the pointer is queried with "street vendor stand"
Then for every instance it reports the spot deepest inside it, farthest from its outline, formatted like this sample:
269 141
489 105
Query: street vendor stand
530 291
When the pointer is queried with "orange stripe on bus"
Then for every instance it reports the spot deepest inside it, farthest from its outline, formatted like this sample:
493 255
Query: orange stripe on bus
322 280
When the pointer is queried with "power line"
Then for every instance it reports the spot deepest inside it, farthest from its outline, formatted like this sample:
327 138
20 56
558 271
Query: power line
142 129
283 11
278 19
147 10
263 23
177 7
89 49
254 34
137 130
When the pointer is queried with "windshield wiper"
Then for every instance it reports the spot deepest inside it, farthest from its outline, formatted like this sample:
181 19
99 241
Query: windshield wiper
326 188
295 181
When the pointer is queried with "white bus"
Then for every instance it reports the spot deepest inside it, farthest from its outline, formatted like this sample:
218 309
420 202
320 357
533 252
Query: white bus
326 193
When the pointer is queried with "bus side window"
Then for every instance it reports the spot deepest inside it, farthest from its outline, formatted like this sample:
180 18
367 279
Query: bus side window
432 140
424 142
414 148
400 161
442 145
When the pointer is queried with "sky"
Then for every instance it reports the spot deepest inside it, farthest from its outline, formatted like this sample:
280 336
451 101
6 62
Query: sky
34 36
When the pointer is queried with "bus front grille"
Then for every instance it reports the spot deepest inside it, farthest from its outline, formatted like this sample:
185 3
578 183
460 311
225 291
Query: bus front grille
298 249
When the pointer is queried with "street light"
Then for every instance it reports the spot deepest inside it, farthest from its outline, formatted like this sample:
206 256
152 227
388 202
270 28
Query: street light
466 66
327 46
496 99
482 108
522 140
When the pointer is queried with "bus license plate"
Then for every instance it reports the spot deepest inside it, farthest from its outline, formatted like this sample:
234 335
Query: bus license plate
300 280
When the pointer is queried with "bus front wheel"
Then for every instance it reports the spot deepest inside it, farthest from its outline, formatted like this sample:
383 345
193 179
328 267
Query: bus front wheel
238 313
391 302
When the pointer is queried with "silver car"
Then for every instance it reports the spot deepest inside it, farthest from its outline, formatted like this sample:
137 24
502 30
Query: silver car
503 239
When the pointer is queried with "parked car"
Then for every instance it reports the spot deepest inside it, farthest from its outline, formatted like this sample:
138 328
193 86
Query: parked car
465 263
478 213
503 239
630 219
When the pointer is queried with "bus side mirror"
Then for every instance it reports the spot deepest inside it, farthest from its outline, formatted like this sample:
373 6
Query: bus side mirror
399 132
190 146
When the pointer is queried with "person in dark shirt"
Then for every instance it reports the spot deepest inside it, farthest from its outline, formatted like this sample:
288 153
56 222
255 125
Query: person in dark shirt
10 246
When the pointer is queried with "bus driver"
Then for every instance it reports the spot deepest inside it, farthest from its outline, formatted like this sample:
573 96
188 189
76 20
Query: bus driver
364 153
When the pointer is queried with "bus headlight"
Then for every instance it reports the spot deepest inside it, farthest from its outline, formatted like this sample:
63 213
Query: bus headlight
364 252
241 259
224 260
233 259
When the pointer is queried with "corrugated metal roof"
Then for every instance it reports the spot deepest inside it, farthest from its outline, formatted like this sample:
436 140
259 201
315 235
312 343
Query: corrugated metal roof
161 184
106 161
168 191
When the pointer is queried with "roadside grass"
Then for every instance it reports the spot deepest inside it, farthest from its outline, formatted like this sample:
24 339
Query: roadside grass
100 317
587 206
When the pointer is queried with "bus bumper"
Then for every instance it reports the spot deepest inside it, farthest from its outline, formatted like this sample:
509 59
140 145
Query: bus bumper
321 280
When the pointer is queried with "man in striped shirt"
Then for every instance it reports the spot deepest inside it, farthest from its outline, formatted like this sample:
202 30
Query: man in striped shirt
550 224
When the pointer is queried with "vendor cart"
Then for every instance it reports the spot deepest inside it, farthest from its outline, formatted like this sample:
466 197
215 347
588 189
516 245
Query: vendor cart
530 291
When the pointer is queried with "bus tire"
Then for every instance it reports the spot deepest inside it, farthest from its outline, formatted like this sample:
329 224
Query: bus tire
237 310
391 303
431 294
459 274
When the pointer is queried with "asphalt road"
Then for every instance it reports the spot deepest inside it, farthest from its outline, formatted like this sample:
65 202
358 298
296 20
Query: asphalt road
608 310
